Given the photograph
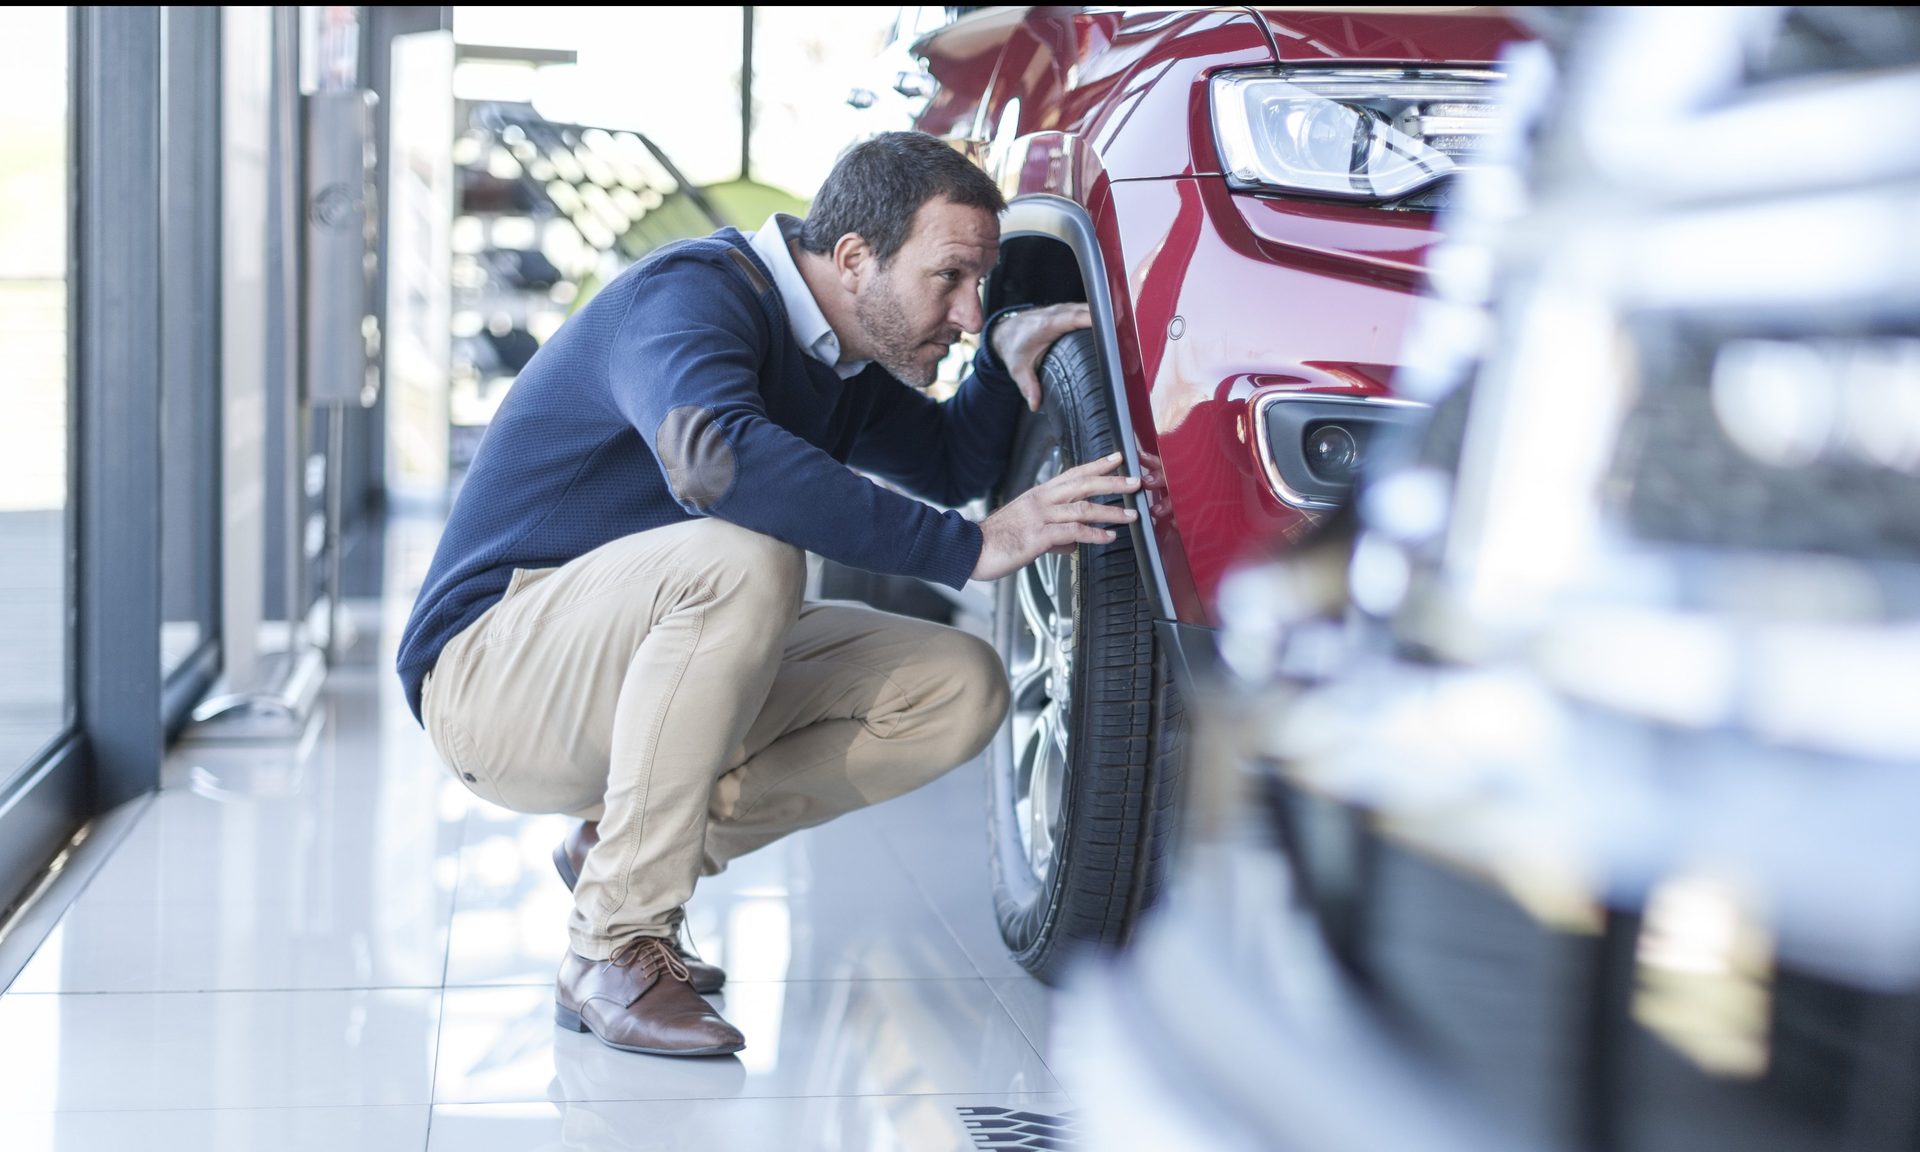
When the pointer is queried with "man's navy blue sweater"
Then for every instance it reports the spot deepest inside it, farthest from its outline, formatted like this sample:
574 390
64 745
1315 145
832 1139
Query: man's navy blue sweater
679 392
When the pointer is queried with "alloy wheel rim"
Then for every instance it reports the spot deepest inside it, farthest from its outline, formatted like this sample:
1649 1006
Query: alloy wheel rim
1041 674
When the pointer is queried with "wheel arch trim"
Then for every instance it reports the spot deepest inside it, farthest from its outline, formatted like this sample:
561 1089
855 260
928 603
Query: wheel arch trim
1047 216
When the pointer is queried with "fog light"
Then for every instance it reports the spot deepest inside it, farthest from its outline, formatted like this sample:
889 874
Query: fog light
1333 453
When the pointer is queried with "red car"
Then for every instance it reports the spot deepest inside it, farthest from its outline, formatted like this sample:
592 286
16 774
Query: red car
1244 198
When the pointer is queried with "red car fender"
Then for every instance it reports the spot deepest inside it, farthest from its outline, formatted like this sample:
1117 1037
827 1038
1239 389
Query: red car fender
1156 544
1097 125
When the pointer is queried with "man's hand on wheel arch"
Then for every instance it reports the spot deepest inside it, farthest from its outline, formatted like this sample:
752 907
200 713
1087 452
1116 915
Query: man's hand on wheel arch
1054 517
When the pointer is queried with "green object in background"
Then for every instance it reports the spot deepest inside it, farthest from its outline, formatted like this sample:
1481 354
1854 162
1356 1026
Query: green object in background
746 204
743 204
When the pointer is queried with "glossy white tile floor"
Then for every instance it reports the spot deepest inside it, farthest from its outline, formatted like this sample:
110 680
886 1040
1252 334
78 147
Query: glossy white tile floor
332 946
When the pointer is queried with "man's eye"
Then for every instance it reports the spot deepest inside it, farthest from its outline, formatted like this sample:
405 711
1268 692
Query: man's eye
950 275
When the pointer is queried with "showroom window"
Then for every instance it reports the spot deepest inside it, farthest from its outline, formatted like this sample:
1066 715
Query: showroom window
36 437
80 444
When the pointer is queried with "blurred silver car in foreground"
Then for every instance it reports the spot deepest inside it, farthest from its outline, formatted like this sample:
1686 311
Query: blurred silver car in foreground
1586 759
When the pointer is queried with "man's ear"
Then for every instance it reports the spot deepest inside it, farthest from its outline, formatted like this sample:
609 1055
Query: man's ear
852 260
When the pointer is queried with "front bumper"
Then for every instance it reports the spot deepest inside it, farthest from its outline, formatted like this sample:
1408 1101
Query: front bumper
1230 1028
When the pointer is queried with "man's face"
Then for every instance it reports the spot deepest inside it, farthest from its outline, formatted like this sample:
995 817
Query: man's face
912 310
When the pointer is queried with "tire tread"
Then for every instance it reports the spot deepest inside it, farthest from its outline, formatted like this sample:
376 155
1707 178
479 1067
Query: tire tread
1127 743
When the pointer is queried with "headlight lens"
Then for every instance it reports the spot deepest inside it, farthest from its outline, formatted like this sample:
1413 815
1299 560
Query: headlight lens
1356 135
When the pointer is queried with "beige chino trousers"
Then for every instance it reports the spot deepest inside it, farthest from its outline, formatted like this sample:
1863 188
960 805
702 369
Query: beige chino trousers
673 686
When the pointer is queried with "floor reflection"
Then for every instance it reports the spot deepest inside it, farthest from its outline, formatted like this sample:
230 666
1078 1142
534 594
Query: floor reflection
314 945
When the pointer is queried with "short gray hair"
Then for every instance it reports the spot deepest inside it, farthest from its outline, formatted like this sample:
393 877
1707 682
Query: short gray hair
877 185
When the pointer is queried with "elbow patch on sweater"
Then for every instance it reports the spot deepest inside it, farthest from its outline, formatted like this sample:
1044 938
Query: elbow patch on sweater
696 457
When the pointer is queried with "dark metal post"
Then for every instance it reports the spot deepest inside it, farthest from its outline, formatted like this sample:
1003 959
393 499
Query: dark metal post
286 444
190 521
118 264
746 92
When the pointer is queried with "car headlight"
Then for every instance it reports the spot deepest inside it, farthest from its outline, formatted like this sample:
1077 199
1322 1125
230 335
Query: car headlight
1362 135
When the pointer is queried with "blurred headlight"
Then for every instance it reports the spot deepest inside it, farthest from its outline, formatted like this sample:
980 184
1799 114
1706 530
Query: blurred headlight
1374 135
1333 453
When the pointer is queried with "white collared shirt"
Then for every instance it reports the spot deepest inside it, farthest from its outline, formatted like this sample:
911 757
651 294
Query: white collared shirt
810 328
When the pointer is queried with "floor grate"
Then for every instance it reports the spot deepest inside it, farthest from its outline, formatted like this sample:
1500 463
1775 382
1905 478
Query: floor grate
1001 1128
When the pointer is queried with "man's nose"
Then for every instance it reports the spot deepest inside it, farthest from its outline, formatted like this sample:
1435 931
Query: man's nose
966 313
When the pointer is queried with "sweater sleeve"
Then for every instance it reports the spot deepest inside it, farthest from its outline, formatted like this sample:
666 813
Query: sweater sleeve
685 372
949 452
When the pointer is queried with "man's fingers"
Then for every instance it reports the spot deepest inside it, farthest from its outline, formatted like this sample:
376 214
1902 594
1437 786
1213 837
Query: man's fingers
1105 514
1088 534
1029 388
1087 512
1069 487
1067 534
1061 319
1098 467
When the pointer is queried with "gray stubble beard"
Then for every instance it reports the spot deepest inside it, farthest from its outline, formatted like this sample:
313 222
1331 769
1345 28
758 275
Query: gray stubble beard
888 334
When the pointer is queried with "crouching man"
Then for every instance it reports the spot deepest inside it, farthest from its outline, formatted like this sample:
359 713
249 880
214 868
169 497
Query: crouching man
613 625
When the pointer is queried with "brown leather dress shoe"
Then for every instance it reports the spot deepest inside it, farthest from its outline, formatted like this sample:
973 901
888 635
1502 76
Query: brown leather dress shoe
570 855
640 1000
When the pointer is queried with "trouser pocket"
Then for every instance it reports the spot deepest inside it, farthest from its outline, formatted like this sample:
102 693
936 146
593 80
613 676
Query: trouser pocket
451 740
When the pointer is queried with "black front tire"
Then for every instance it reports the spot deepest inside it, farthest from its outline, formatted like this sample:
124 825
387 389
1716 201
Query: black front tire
1125 728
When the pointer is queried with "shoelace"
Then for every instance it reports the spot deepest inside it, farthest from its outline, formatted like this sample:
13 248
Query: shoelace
654 955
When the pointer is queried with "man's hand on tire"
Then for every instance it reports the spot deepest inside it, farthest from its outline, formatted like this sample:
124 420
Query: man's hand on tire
1054 517
1021 339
